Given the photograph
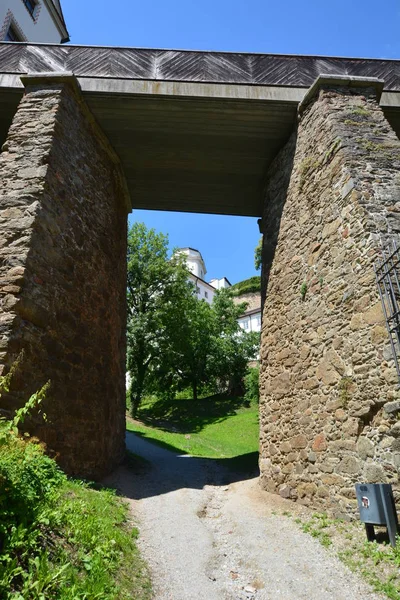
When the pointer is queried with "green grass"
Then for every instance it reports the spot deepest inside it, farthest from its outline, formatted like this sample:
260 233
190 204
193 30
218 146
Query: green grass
377 563
217 427
62 539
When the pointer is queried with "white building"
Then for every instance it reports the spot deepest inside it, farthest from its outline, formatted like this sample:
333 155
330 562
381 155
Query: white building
196 265
251 320
220 284
32 21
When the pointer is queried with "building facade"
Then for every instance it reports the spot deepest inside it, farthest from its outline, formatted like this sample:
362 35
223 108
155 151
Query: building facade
197 267
32 21
251 320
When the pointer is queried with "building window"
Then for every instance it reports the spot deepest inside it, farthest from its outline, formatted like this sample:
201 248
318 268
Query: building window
206 294
30 6
245 324
259 321
12 35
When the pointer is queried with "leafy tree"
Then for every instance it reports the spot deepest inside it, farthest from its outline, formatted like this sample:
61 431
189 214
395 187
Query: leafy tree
207 349
258 255
190 345
155 285
252 385
175 340
235 346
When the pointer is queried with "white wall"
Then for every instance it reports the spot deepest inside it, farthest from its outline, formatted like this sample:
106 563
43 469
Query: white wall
204 292
251 322
196 267
42 29
194 262
220 284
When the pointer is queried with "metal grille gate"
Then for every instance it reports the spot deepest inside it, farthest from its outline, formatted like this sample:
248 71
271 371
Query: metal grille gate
387 273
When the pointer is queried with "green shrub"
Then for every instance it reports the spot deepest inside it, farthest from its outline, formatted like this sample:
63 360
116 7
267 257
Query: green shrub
28 480
251 385
60 539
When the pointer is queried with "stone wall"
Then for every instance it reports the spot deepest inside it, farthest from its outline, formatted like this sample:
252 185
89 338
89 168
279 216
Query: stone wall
62 275
253 300
329 389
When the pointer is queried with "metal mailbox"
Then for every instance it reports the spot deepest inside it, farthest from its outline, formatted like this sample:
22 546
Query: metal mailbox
376 506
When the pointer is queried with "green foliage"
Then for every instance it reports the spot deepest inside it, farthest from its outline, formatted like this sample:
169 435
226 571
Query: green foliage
155 287
258 255
252 385
361 111
207 349
317 527
303 290
59 539
345 388
333 148
248 286
309 164
234 348
175 340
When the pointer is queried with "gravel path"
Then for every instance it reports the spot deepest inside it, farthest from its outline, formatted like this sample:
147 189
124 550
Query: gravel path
210 535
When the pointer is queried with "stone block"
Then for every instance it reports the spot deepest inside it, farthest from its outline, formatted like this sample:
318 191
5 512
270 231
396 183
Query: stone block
319 443
326 373
392 408
349 465
365 448
284 491
373 473
285 447
299 441
374 314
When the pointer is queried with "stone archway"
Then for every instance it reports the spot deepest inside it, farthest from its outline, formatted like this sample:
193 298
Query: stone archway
331 200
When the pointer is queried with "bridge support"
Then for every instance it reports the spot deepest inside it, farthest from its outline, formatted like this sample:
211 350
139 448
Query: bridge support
329 389
62 274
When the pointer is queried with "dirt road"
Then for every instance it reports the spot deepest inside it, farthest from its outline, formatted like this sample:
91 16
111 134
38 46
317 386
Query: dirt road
210 534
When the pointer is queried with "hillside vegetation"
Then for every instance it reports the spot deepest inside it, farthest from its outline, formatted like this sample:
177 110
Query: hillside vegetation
247 286
61 539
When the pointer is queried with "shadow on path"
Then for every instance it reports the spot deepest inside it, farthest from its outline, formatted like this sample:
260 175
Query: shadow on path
164 471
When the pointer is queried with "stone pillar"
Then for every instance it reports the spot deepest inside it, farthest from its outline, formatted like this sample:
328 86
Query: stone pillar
63 274
328 381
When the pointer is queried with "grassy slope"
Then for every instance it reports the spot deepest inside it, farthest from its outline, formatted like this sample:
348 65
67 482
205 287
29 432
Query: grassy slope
216 427
61 539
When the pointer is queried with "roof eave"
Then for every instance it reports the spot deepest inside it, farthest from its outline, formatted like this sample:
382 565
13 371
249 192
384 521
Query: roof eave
59 20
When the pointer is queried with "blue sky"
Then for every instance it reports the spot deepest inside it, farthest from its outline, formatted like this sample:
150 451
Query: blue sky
362 28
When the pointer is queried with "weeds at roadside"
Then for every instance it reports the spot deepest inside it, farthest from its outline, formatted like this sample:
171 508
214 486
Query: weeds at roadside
377 563
60 539
318 527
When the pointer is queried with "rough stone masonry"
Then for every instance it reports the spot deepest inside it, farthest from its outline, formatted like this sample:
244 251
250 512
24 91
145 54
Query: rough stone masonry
329 389
63 275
